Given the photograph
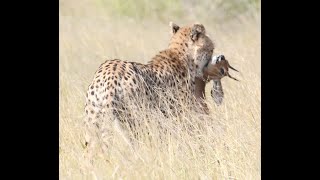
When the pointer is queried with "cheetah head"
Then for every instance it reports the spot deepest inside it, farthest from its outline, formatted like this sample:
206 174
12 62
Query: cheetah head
198 45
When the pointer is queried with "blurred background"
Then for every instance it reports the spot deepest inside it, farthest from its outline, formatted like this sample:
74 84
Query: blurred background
188 10
92 31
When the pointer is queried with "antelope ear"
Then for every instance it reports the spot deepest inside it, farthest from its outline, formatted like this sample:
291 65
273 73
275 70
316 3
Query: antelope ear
196 30
173 27
217 92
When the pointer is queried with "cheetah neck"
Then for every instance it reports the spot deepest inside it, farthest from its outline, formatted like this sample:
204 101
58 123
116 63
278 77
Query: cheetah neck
171 56
168 65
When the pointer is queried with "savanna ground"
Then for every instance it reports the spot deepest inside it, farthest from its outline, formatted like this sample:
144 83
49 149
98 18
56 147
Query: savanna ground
224 145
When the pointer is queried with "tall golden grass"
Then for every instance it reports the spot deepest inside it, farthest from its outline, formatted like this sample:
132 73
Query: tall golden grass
222 145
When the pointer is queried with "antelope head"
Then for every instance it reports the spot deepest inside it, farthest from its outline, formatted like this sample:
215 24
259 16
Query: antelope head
216 69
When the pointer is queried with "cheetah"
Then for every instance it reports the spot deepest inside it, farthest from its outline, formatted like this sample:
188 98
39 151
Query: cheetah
174 69
190 49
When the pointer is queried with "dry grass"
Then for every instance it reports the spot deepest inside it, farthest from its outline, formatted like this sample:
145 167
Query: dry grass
224 145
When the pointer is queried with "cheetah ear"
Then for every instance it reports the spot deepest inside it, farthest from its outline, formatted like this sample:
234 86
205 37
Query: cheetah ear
217 92
173 27
196 30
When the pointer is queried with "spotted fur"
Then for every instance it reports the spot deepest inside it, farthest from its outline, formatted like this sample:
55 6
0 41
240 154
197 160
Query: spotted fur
173 69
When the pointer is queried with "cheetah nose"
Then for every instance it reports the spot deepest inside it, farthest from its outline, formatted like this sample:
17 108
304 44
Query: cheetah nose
221 57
